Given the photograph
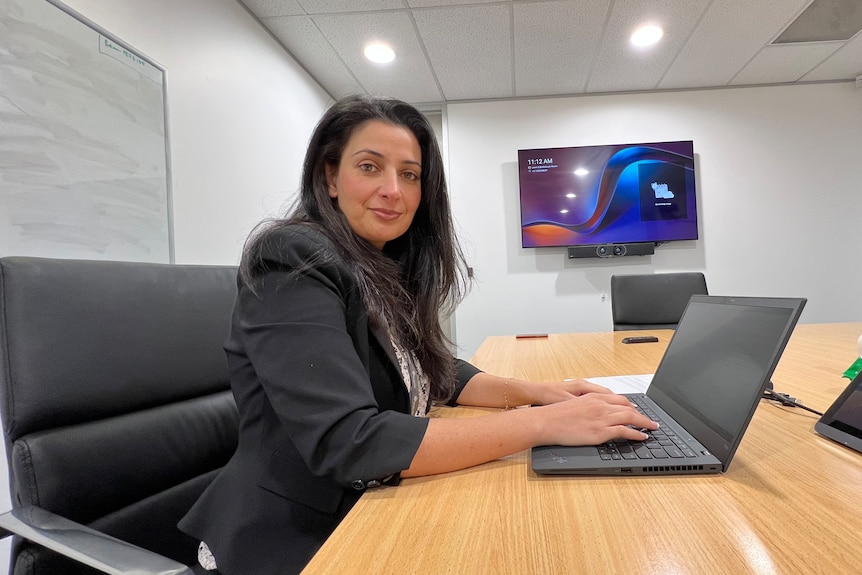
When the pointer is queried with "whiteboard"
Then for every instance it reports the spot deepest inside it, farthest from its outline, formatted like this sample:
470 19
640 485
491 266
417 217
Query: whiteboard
84 154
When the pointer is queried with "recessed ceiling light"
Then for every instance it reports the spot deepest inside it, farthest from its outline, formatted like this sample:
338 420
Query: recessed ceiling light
380 53
581 172
647 35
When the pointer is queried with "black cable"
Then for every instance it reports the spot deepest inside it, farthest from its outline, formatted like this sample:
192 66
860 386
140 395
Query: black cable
786 400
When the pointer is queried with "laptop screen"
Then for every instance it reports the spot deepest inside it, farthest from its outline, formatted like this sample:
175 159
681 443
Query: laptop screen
718 362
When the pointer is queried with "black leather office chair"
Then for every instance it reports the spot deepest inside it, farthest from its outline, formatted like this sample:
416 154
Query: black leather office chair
653 301
116 409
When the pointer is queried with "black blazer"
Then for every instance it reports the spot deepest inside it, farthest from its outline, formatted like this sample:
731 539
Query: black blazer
324 412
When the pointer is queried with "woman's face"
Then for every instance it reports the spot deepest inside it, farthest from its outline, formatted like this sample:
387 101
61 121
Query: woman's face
376 183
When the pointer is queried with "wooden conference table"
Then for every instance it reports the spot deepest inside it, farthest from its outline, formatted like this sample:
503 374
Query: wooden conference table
791 501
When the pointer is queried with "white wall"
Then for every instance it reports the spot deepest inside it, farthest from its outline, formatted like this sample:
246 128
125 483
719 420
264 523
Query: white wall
240 111
779 197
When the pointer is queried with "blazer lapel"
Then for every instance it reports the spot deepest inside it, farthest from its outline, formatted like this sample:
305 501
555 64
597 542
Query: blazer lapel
382 336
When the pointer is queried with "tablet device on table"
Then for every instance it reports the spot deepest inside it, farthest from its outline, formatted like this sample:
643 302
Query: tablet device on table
842 422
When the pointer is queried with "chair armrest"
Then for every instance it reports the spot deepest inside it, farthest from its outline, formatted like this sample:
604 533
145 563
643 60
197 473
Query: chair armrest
88 546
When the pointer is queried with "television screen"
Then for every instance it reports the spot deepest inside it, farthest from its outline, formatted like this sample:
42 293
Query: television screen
609 194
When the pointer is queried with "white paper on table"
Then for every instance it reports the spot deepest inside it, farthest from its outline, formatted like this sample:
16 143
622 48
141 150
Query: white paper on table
624 383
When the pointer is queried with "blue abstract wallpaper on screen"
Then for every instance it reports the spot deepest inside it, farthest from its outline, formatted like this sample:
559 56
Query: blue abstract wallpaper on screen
624 193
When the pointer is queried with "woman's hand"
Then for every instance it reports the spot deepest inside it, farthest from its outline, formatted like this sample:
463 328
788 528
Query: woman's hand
545 393
591 419
486 390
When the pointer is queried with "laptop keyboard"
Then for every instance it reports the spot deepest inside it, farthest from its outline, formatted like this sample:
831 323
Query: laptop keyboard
662 443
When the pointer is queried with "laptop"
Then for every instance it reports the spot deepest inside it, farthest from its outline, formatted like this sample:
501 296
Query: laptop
842 422
704 392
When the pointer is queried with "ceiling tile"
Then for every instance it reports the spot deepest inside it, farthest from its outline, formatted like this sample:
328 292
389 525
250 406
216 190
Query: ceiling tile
823 21
301 37
334 6
735 29
555 45
428 3
470 49
845 63
620 66
784 63
267 8
409 77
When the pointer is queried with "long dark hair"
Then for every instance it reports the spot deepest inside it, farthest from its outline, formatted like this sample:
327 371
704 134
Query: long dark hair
416 278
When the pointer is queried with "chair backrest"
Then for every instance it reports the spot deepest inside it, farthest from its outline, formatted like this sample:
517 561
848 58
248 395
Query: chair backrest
116 404
653 301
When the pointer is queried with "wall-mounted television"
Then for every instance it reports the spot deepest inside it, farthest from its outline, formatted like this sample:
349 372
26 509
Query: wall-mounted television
607 194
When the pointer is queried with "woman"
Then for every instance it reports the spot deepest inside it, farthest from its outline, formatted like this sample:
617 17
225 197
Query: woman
336 351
